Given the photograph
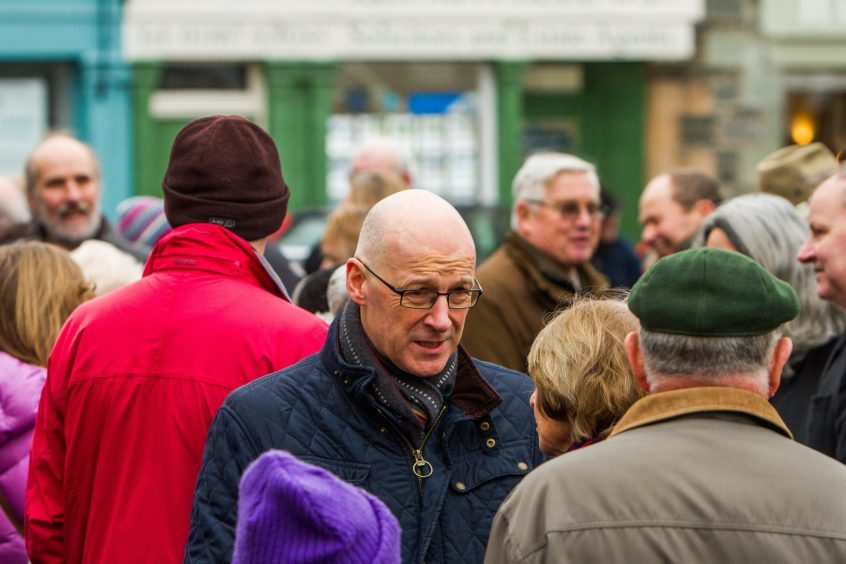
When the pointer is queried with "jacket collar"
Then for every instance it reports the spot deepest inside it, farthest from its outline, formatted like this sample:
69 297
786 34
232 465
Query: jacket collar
662 406
544 272
212 248
472 394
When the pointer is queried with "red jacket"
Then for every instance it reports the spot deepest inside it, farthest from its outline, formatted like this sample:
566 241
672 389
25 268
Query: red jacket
133 383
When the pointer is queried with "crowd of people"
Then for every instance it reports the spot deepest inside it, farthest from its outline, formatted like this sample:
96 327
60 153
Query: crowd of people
173 389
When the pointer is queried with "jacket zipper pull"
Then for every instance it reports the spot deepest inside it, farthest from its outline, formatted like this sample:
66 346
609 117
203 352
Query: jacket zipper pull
421 468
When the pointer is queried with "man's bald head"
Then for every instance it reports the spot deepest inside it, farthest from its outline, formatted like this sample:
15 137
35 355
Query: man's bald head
413 244
409 219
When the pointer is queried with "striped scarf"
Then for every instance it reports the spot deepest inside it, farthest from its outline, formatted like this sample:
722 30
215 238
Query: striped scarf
414 400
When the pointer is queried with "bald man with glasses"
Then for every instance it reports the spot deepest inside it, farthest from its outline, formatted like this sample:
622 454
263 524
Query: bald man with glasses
543 261
392 403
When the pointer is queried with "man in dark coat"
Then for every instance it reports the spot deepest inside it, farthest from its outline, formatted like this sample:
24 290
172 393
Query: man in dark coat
392 403
825 250
543 261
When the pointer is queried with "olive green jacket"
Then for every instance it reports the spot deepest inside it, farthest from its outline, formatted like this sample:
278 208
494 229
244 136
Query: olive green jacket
694 475
522 287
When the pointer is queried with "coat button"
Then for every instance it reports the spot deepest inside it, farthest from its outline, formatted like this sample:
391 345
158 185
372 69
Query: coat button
460 486
491 443
485 426
382 429
522 466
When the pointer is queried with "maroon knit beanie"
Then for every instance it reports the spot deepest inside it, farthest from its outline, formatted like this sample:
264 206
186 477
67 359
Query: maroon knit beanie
225 170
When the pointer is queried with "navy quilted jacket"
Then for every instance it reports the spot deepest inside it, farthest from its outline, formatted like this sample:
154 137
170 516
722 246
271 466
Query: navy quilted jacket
480 449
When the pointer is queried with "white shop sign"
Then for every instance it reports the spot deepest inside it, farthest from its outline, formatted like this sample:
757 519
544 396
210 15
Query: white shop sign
411 30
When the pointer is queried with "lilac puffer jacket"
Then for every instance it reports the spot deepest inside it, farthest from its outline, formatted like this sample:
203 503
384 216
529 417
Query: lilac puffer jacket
20 389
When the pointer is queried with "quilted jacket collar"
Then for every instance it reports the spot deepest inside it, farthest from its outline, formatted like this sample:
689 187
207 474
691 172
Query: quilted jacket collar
662 406
472 393
212 248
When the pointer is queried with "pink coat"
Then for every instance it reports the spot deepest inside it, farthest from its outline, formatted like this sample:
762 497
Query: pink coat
20 388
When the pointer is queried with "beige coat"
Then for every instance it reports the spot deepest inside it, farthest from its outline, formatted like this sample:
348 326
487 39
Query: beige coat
520 292
696 475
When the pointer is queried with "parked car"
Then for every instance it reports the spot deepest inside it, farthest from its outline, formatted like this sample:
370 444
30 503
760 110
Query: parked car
488 225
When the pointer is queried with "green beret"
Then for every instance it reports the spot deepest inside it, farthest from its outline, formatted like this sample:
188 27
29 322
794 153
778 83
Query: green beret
711 293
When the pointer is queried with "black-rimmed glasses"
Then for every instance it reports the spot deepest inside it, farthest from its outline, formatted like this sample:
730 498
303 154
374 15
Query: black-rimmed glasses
572 210
425 299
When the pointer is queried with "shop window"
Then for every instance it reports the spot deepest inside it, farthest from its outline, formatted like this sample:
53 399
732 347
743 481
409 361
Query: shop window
194 90
203 77
431 110
818 115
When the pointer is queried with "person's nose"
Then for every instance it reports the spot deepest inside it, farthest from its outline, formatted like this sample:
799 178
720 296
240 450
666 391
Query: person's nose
648 234
806 252
533 398
73 191
586 219
438 317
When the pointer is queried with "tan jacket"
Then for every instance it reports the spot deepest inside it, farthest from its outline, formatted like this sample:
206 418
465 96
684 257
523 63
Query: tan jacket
696 475
520 291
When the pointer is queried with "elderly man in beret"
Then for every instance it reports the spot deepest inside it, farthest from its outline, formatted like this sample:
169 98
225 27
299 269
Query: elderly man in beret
137 375
702 469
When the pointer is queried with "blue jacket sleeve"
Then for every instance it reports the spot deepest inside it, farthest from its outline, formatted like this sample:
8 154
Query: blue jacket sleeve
227 454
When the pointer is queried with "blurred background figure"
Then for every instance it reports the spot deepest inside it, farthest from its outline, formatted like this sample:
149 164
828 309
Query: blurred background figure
379 169
673 207
794 171
543 261
615 256
583 382
39 288
64 192
14 211
142 222
292 512
340 237
382 154
105 266
769 230
336 293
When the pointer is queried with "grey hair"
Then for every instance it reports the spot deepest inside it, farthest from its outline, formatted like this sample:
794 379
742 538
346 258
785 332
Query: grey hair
539 170
769 230
666 354
336 290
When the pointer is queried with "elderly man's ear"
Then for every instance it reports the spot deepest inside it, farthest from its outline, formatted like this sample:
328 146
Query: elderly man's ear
633 353
704 207
781 354
355 281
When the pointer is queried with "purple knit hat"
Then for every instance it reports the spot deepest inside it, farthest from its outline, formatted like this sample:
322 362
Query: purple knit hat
290 511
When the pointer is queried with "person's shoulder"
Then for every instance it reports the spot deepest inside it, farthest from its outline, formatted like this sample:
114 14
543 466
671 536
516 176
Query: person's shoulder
303 379
499 276
505 381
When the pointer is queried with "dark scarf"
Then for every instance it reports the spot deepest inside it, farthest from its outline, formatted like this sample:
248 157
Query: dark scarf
414 400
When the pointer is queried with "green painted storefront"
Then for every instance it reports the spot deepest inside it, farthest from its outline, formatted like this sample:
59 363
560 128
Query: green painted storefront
608 115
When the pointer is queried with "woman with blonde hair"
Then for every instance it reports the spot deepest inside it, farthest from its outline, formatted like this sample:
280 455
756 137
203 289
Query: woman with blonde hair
583 383
40 286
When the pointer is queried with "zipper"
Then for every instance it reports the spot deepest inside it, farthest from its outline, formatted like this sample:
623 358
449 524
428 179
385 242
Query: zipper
421 467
